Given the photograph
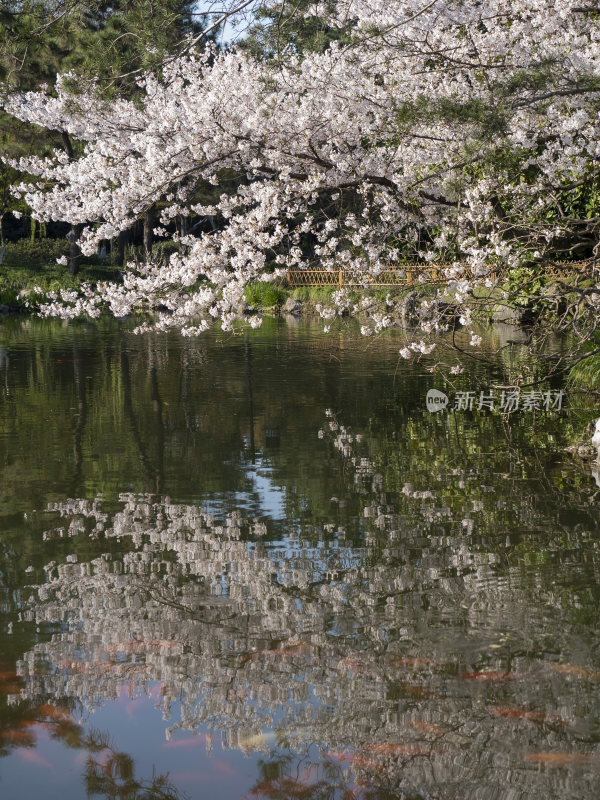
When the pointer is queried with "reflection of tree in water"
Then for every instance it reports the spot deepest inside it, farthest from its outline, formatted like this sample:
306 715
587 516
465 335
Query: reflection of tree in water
111 774
421 660
108 773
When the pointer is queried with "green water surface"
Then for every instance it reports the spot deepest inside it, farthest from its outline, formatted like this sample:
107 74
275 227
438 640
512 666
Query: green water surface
256 566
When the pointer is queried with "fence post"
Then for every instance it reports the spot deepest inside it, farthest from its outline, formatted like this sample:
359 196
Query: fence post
341 278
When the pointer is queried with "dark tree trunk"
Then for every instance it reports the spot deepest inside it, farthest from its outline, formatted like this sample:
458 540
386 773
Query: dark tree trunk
74 251
121 244
148 227
76 230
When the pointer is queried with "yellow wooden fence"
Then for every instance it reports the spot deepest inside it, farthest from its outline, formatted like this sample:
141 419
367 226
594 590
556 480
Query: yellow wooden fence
410 274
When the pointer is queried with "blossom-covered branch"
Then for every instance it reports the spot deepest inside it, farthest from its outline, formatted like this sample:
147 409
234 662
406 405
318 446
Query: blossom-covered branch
446 130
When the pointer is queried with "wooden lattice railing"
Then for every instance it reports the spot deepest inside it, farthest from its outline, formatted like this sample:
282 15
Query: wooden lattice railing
409 274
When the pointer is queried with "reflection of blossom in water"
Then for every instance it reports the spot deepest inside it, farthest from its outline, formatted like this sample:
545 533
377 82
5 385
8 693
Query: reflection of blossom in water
411 659
186 574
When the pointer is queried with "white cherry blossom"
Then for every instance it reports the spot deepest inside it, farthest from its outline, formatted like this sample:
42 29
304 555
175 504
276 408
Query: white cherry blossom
452 122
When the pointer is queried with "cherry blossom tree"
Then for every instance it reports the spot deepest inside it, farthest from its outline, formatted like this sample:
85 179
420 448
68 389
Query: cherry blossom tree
438 131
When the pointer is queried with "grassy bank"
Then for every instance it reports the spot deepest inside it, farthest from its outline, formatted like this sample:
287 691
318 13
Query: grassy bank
28 264
269 296
31 265
16 280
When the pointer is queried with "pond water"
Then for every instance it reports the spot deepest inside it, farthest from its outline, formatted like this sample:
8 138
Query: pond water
257 566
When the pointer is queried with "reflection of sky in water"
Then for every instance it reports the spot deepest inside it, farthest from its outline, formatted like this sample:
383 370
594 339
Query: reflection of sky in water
194 766
50 771
271 498
264 500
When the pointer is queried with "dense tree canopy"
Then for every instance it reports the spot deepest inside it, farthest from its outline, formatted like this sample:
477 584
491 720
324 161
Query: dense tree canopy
430 130
281 27
106 44
106 41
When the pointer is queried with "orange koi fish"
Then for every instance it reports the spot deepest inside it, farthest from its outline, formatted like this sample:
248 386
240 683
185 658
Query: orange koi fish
427 727
192 741
34 758
562 759
530 716
490 675
55 713
575 671
387 749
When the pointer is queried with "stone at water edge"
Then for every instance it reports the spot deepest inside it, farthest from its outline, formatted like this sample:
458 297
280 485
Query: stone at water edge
596 437
292 306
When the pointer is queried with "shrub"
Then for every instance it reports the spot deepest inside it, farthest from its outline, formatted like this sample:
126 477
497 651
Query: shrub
162 251
314 294
38 253
264 295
